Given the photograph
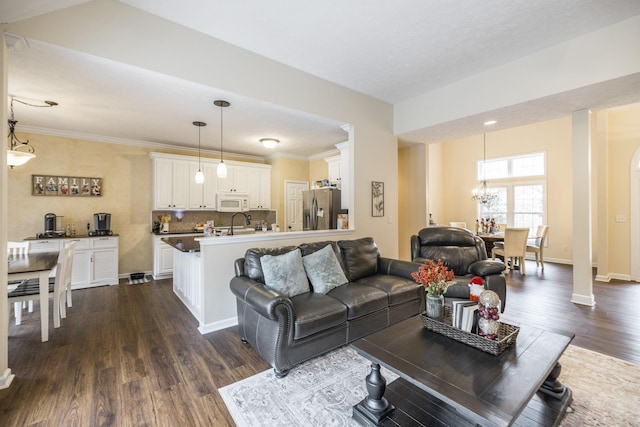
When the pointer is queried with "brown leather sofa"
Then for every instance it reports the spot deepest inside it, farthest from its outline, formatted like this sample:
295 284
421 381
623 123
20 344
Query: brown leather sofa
287 331
465 254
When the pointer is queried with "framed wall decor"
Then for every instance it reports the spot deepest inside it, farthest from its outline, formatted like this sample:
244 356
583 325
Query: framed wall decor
72 186
377 198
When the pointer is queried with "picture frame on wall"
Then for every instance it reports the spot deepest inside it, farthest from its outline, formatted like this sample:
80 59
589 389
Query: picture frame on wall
377 198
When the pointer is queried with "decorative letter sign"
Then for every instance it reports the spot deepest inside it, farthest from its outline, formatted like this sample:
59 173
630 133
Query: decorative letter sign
43 185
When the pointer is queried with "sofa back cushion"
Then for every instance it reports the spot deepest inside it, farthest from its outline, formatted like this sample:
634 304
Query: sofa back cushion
285 273
456 247
252 265
359 258
324 270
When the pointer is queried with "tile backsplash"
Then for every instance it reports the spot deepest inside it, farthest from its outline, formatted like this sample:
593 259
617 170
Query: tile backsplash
221 219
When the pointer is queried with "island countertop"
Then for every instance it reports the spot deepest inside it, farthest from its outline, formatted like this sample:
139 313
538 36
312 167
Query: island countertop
183 243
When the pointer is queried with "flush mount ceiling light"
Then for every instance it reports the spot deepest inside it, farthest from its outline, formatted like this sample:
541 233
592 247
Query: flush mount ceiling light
483 194
199 174
269 142
490 122
222 168
20 152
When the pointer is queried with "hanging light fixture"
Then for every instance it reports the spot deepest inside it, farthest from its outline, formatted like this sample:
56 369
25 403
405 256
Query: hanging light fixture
199 174
20 152
269 142
483 194
222 168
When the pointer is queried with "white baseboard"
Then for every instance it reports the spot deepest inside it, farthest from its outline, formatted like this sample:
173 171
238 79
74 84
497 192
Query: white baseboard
583 299
216 326
6 378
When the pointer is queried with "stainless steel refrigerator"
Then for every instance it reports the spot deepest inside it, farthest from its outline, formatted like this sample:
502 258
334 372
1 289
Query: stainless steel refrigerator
320 209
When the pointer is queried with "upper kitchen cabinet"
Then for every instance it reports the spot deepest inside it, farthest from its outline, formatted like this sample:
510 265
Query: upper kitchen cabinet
203 196
237 179
333 164
260 187
170 183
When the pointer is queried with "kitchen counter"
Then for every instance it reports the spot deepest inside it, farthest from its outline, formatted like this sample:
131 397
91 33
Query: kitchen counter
183 244
77 236
175 233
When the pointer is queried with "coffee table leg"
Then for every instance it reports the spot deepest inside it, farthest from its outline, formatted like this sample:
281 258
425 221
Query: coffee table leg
373 408
552 386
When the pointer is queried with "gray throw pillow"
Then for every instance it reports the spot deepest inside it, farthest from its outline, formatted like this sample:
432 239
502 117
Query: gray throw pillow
285 273
323 270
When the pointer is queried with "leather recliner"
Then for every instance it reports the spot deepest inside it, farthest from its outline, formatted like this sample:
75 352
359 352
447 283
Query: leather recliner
465 254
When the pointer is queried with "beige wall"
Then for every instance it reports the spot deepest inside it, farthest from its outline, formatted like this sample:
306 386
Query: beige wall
412 195
283 169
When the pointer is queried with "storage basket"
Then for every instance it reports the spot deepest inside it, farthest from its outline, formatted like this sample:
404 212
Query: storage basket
507 334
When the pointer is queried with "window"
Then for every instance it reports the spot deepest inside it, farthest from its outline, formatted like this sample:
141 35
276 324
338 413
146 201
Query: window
520 186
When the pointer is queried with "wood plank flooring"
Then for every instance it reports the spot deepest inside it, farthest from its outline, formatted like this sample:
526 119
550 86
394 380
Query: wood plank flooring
131 355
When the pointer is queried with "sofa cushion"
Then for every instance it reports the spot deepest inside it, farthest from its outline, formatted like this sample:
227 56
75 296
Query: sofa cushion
252 265
323 270
360 257
316 313
398 289
486 268
285 273
360 299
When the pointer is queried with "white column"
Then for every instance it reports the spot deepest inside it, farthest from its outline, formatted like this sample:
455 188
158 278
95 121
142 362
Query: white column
581 154
5 373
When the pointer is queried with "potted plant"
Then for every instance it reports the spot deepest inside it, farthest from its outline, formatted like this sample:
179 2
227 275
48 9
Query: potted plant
436 278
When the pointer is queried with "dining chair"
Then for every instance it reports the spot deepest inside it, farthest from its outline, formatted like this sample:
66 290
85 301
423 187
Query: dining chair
17 249
66 282
30 290
458 224
537 245
514 249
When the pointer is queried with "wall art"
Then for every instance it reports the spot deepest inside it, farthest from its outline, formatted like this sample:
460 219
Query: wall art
377 198
68 186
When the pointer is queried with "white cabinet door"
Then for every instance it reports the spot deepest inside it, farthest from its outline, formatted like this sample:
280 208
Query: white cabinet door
104 264
81 269
163 183
202 196
259 188
39 246
162 259
210 186
180 184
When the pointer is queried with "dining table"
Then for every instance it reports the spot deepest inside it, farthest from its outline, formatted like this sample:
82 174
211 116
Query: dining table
35 266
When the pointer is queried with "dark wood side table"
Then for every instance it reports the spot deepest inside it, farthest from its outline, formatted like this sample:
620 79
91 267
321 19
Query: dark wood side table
490 240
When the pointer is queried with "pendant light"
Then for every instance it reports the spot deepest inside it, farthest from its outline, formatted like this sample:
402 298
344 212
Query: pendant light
20 152
199 174
483 194
222 168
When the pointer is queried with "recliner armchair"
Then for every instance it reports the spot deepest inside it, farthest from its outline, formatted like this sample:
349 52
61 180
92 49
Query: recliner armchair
465 254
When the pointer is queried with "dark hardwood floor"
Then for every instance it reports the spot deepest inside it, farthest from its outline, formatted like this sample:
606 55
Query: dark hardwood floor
131 355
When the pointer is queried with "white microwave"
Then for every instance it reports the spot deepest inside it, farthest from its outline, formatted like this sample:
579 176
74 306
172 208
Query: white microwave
232 202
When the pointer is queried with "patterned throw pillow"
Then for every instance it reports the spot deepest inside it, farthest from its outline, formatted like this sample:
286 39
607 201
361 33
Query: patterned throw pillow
323 270
285 273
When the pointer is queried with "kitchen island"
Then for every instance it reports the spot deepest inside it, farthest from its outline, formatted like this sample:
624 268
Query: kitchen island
201 277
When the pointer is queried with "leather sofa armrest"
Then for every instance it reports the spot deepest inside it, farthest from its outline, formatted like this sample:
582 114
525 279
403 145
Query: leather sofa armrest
262 300
397 267
484 268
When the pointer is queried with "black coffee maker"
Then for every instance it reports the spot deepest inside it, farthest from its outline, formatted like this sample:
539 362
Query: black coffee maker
52 225
102 224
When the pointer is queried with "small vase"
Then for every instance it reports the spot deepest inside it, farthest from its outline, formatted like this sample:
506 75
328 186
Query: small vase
435 306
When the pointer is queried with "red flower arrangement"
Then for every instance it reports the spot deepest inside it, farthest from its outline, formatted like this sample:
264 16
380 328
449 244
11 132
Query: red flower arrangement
435 277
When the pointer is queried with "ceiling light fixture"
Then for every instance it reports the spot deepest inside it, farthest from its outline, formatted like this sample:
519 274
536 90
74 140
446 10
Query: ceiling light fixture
483 194
222 168
269 142
490 122
199 174
20 152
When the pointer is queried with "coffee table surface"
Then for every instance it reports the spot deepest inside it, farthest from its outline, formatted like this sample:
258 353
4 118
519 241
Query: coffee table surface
486 389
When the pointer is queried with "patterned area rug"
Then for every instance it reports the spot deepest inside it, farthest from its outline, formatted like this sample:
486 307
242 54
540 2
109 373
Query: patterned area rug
322 391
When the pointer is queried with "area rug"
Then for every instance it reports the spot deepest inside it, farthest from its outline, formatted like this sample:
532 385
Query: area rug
322 391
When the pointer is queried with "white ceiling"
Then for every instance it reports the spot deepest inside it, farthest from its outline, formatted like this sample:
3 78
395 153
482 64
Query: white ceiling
389 50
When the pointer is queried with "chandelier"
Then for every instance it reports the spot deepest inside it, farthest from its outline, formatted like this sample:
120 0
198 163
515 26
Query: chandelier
483 194
20 152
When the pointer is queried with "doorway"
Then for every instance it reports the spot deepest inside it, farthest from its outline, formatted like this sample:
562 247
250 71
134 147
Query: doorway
293 204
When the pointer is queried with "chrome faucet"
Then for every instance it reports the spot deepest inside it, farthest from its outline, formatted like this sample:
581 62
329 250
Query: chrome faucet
246 217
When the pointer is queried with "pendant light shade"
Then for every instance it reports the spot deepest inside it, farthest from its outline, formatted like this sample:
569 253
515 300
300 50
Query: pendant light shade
222 168
199 175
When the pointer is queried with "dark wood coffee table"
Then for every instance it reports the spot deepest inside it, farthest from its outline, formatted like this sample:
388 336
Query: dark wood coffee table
445 382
